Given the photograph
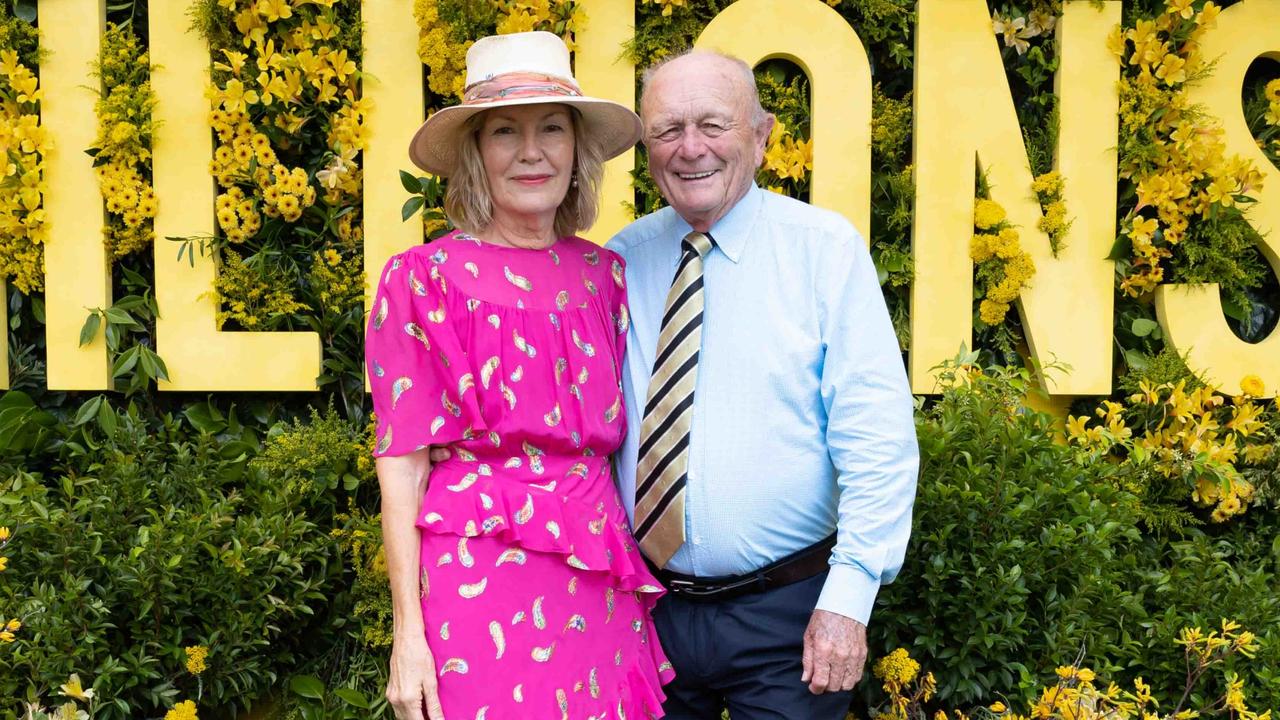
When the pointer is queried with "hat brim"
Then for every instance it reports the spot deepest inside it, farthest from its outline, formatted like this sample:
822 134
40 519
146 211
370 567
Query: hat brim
434 147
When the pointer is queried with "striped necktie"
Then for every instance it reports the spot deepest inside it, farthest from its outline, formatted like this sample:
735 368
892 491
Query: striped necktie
668 413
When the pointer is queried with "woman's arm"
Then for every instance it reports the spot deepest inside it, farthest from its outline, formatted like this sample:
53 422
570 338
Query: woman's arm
412 682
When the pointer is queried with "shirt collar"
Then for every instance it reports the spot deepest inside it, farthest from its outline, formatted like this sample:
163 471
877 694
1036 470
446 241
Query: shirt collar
731 231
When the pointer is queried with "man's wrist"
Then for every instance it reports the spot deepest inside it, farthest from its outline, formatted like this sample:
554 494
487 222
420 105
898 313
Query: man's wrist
849 591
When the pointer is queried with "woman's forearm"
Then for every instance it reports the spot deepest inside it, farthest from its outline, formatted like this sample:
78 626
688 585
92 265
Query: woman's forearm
402 480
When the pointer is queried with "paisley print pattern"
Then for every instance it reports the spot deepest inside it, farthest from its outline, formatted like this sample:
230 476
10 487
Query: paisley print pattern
539 601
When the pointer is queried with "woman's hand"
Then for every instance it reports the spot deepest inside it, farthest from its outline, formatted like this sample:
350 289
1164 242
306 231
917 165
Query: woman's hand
412 685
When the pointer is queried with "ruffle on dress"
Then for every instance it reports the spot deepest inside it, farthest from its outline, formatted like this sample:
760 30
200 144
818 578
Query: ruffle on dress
532 519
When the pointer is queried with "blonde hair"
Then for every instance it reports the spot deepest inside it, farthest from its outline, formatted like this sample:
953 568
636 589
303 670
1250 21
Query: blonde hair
468 203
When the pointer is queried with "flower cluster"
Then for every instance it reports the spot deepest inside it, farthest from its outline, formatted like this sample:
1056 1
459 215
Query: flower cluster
1016 30
196 656
185 710
336 282
1003 268
290 122
254 298
360 537
444 55
288 194
23 146
446 30
1192 435
786 157
1053 221
238 216
899 675
1078 694
122 149
1174 155
75 692
8 628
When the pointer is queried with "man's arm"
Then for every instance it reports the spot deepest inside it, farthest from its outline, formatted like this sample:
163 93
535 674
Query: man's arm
872 443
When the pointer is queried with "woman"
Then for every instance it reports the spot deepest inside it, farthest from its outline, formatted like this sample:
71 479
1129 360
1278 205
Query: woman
517 589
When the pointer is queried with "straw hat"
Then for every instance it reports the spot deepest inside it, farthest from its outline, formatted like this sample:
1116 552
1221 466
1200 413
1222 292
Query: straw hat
519 69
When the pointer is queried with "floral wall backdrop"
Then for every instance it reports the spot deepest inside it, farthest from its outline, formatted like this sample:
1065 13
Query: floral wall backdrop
179 555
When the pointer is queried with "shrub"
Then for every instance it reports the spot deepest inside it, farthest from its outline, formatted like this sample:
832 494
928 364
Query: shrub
1013 541
145 540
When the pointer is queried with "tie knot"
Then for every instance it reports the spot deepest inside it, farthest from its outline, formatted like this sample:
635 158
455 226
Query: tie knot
697 242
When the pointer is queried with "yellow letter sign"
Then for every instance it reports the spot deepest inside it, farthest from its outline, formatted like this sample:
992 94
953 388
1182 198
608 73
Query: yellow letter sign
197 354
1192 314
965 121
816 38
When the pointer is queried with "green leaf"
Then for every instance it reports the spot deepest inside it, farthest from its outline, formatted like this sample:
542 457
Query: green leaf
87 411
205 418
411 206
307 686
106 419
352 697
1142 327
125 362
1136 360
89 330
119 316
409 182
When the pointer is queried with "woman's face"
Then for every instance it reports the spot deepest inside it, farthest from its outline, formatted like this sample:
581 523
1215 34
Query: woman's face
527 152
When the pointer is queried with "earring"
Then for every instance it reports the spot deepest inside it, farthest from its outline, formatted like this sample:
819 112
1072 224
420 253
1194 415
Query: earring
573 179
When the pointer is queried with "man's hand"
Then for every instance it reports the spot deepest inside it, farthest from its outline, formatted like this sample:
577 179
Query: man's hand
835 649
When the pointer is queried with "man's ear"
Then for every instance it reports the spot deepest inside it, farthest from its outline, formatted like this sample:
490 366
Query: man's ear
765 130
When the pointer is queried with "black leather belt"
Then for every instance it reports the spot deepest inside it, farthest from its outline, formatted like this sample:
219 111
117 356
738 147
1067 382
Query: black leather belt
800 565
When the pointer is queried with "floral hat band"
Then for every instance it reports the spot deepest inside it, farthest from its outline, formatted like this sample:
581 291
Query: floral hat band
520 69
511 86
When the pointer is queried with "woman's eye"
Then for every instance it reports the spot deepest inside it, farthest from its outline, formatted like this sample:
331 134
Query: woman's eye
502 131
555 128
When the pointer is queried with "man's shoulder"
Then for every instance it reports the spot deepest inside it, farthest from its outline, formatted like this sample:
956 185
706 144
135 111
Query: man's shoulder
641 232
801 217
823 236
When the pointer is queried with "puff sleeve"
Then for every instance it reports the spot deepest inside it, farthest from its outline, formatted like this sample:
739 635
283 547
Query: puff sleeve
419 374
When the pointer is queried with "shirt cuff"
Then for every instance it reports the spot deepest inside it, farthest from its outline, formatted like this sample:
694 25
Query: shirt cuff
849 591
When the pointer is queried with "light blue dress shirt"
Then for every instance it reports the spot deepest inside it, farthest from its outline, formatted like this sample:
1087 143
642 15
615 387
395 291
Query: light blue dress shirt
802 416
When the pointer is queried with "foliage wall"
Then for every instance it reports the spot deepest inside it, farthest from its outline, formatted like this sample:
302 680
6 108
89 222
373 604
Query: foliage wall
170 554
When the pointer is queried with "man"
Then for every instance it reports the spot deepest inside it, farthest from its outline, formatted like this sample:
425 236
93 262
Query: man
769 414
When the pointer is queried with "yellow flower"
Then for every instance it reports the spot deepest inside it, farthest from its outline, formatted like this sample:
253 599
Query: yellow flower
73 689
9 63
196 655
274 10
992 312
1207 18
4 563
1252 385
235 97
4 534
185 710
1180 8
997 707
987 214
897 668
235 59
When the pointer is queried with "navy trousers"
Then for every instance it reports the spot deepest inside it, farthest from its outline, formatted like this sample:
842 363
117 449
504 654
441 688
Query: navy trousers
743 654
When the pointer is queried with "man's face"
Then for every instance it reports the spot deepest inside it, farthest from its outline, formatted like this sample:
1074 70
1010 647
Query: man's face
703 149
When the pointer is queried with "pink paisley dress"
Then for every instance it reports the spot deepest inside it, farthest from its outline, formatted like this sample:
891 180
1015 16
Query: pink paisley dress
535 597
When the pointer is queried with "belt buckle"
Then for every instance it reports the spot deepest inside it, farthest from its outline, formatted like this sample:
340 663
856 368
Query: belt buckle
692 589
